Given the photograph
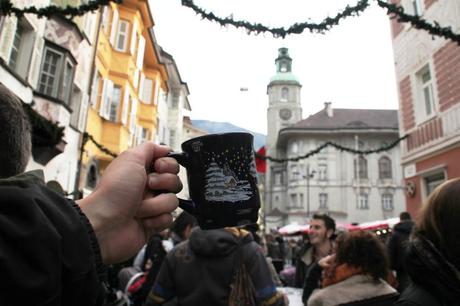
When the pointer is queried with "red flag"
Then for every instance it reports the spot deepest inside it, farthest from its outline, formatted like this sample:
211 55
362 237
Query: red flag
261 164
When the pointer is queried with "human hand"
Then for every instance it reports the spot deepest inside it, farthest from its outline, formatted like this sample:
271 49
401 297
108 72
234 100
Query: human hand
326 262
123 209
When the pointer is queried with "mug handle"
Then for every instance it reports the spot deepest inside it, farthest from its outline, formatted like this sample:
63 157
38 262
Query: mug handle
182 159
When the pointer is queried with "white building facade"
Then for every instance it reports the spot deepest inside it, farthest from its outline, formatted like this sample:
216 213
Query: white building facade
348 187
177 102
47 63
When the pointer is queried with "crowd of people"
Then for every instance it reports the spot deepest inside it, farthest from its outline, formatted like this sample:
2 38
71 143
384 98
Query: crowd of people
55 251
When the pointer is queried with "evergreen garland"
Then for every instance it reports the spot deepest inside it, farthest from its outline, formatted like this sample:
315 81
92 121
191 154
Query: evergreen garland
7 8
87 137
296 28
332 144
44 132
418 23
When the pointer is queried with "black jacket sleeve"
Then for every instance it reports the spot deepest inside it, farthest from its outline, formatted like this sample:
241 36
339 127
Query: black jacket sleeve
311 281
49 254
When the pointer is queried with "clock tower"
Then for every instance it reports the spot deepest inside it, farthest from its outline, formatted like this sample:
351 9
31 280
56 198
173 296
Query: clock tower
284 109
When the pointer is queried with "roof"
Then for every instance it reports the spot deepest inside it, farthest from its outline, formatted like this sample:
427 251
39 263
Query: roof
350 119
283 77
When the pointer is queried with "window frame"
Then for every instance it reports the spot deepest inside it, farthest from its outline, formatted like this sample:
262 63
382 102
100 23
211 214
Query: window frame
381 164
361 163
122 35
114 104
387 200
57 85
323 200
147 90
433 179
322 172
363 201
420 98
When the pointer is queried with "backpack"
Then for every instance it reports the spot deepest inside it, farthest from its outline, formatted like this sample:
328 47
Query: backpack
242 291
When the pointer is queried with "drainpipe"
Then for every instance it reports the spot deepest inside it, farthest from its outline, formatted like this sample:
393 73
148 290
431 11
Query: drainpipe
84 136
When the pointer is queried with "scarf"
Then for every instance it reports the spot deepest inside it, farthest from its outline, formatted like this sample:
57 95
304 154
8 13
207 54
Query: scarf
339 273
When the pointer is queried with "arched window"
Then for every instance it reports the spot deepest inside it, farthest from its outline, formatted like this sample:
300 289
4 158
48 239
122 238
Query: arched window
91 178
284 94
360 168
385 168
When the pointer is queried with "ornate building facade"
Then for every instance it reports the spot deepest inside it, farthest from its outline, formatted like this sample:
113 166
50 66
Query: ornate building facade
428 76
349 187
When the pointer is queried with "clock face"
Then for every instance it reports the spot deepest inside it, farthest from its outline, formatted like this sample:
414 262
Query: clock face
285 114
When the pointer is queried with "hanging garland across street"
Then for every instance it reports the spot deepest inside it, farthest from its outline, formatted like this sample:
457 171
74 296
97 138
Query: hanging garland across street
87 137
337 146
419 23
296 28
7 8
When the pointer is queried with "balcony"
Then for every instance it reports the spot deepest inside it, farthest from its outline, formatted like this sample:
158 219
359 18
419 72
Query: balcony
434 135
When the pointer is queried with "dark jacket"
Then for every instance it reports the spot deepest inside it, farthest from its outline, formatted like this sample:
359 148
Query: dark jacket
397 251
49 254
200 271
156 253
312 281
435 281
304 259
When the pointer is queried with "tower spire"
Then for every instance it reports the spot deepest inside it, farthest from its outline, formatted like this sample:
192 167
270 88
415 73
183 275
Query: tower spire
283 62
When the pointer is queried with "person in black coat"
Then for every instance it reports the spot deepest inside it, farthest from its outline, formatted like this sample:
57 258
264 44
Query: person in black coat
397 249
52 249
433 259
320 244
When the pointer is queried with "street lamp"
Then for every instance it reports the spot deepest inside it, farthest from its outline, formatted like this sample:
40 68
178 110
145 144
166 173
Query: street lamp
308 176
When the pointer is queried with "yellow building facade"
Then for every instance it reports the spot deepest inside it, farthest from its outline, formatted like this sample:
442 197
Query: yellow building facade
126 85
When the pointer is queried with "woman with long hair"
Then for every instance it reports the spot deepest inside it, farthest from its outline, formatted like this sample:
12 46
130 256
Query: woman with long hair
433 259
355 274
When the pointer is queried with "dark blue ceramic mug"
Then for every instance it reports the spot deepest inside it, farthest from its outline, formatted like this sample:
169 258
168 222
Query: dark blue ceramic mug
222 179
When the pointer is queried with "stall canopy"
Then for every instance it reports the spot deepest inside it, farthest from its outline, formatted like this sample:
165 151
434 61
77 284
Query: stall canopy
294 228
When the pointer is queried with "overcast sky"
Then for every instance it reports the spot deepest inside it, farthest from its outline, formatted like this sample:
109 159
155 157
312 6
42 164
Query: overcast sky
351 65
